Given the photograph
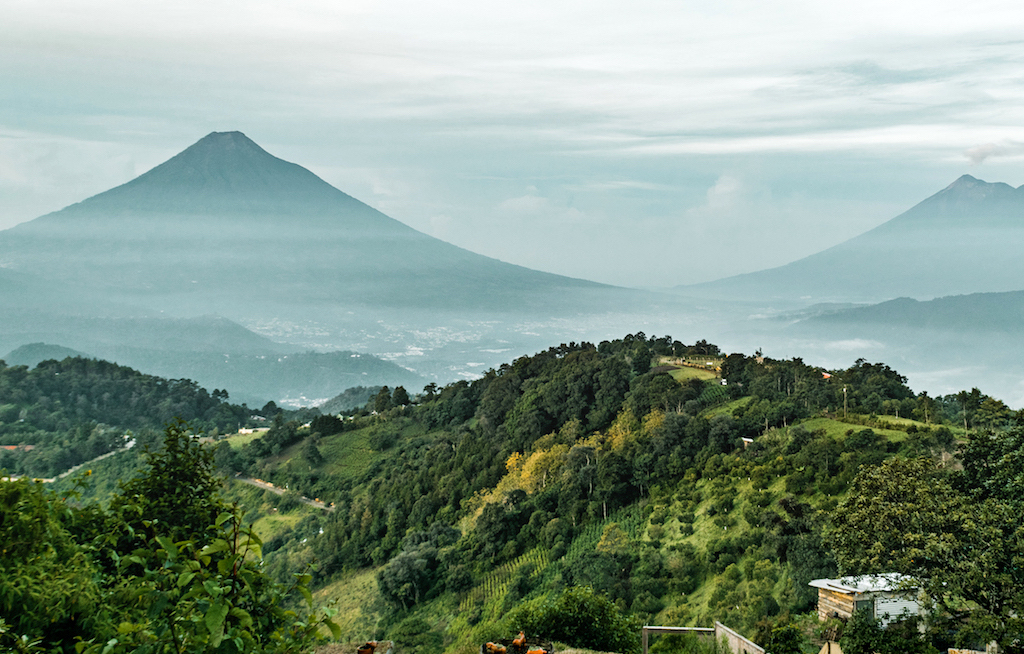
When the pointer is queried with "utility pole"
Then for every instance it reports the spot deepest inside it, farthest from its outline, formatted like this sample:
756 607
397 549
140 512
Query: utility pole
844 401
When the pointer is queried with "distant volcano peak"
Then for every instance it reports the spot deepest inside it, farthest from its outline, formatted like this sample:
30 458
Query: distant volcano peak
235 135
968 187
221 172
224 226
227 143
966 238
963 181
220 156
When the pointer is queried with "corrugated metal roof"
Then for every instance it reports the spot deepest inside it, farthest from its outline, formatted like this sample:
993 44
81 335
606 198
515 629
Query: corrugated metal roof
886 582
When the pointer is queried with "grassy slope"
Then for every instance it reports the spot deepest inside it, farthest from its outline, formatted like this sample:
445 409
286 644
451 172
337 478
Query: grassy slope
686 372
727 408
237 441
354 595
836 428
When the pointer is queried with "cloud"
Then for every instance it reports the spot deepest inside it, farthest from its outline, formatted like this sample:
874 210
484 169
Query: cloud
531 208
904 138
979 153
618 185
725 195
729 205
441 113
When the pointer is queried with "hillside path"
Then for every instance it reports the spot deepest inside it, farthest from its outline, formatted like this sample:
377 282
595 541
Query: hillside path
259 483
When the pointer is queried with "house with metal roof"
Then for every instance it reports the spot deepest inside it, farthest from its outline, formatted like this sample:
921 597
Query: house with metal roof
888 596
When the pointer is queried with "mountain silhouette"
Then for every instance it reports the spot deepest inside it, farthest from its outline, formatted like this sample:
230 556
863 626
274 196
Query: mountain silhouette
225 227
977 313
967 238
228 173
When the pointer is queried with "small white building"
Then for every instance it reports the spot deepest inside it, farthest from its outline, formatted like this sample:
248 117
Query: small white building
889 596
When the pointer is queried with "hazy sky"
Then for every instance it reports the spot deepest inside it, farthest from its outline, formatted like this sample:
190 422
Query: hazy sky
641 143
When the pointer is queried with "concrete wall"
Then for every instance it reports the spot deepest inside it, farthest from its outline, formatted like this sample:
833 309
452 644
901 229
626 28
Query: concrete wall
699 632
737 643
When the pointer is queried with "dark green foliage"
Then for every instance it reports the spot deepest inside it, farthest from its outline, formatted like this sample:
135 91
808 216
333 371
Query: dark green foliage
148 576
660 391
270 409
909 516
311 454
864 634
351 398
383 436
993 463
786 639
382 402
428 466
565 384
407 578
73 410
786 391
641 358
289 501
178 496
195 599
327 425
609 573
281 434
580 617
458 579
227 459
48 585
414 635
400 397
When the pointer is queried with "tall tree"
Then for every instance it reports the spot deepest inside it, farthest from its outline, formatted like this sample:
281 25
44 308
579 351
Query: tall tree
382 402
178 495
400 397
906 516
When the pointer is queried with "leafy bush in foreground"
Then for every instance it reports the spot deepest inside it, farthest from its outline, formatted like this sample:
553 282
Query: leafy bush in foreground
157 573
581 617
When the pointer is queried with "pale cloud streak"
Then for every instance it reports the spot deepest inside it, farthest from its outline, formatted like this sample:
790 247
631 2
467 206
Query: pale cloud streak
979 153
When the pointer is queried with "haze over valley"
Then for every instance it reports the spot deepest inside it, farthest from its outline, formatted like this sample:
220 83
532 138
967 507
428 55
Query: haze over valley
230 266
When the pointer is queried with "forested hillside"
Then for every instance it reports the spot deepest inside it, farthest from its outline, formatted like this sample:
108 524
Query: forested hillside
684 485
642 480
61 413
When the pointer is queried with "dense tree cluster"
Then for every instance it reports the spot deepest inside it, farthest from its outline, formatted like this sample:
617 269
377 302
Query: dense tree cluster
62 413
579 615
